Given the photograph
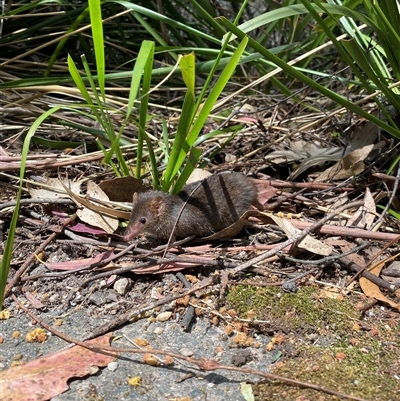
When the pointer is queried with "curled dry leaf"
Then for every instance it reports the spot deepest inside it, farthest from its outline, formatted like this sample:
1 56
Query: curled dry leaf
372 290
35 303
90 216
350 166
309 243
313 154
265 192
98 208
54 188
365 215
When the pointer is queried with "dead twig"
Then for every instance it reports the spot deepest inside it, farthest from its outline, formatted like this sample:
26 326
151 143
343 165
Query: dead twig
40 249
295 239
308 185
346 231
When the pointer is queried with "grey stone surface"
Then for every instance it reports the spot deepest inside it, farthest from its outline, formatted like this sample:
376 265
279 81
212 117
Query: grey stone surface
157 383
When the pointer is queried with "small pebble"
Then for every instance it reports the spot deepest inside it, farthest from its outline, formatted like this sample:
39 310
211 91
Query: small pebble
122 285
97 298
163 316
111 296
54 298
77 299
187 352
92 370
113 366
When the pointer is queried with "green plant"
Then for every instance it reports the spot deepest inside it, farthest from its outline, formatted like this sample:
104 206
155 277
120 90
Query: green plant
194 111
8 248
367 59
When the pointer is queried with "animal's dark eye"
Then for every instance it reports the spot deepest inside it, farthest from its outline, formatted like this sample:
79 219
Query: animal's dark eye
143 220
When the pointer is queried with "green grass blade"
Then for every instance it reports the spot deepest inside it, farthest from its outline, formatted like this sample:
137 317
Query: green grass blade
188 65
191 164
144 103
216 91
180 147
146 51
97 111
62 42
168 21
98 42
293 10
154 33
312 83
76 76
142 69
5 262
185 139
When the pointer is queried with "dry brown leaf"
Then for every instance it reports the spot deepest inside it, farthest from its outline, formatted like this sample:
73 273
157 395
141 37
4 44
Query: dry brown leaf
313 153
365 215
34 302
121 189
198 174
350 166
100 209
372 290
85 263
54 188
47 377
346 246
265 192
314 245
309 243
89 216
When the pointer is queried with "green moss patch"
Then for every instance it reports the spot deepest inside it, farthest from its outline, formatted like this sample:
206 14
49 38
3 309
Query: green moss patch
326 342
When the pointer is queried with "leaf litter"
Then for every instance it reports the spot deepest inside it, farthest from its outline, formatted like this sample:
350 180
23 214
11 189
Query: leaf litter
101 300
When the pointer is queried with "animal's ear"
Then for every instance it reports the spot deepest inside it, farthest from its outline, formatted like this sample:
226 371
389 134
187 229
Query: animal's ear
135 197
157 205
